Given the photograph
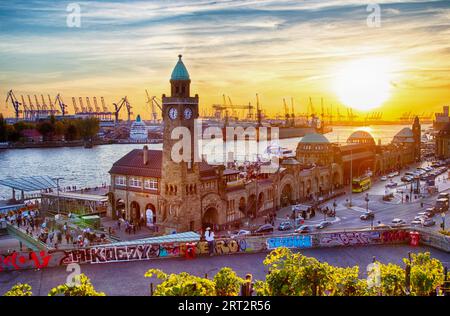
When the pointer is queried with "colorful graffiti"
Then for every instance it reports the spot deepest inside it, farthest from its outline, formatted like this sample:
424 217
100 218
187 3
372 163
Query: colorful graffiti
20 261
350 239
395 236
223 246
302 241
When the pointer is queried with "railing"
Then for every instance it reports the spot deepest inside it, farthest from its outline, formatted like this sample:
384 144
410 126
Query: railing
26 238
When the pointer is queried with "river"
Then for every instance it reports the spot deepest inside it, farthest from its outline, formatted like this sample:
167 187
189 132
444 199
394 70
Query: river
89 167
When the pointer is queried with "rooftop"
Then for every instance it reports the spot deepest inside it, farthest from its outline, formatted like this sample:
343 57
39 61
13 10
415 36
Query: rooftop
314 138
180 72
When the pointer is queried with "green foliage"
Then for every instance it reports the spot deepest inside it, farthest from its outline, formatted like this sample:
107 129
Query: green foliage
426 273
294 274
19 290
182 284
227 283
88 128
85 288
392 280
345 282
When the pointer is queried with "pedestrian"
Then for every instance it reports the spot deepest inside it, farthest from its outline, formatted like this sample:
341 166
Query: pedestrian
118 224
209 237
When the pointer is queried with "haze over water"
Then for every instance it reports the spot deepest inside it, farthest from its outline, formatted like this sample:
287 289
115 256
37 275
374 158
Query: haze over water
89 167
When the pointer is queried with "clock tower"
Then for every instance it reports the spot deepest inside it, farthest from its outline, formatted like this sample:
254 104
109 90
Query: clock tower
180 181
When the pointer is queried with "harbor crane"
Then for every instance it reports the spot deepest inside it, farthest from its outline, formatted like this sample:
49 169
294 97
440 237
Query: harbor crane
83 109
151 102
14 102
220 108
97 108
118 106
60 102
89 107
105 108
75 107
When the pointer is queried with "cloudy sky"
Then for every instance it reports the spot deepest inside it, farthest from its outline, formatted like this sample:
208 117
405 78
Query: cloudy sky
278 49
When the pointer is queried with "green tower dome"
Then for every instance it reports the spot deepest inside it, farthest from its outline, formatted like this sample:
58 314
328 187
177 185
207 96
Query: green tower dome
180 72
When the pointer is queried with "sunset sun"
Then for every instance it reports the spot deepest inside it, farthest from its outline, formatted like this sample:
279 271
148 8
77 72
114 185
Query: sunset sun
363 84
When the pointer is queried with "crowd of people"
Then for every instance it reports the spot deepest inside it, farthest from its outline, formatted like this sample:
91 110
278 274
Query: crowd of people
50 233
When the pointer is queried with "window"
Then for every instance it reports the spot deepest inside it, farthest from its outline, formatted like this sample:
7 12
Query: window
151 184
121 180
135 183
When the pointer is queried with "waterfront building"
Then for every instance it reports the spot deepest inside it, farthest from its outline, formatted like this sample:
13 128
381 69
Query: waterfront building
182 196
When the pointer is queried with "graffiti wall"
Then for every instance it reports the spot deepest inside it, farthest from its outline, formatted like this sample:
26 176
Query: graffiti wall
137 252
362 238
301 241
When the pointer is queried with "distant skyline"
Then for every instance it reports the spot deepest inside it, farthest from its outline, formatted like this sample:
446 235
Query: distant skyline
278 49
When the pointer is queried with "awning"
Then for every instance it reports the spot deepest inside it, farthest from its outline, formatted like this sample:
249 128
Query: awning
28 184
77 196
181 237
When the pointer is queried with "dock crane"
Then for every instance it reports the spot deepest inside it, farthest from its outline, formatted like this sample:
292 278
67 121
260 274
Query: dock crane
88 105
60 102
286 111
31 103
258 111
97 108
151 103
14 102
83 109
118 107
105 108
75 107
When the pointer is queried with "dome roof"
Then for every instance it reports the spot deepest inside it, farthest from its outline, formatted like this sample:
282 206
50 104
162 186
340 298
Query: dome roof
314 138
180 72
360 136
405 132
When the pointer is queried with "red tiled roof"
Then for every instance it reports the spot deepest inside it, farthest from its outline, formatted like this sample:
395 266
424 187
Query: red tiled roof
133 164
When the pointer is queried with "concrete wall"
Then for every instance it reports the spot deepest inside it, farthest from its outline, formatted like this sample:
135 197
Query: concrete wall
133 252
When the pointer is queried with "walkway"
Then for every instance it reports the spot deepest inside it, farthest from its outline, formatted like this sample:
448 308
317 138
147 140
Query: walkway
127 278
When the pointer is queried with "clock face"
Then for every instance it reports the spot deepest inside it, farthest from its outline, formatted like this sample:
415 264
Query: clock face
173 113
187 113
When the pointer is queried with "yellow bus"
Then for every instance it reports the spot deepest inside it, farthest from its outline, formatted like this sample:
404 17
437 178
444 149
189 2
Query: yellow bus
361 184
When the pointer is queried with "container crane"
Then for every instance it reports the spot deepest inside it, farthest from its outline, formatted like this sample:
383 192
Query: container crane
118 107
83 109
97 108
75 107
60 102
151 103
14 102
88 105
105 108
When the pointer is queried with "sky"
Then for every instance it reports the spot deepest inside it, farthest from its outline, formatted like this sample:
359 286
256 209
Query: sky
278 49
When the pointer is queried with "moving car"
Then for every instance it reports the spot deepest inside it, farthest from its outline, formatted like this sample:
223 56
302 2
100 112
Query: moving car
384 178
285 226
406 178
398 222
242 232
367 215
323 224
391 184
266 228
304 229
428 222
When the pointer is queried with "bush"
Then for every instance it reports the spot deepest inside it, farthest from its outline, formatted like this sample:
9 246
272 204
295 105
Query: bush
19 290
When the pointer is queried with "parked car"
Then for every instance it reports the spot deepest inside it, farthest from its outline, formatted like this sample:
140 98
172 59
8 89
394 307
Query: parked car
266 228
241 232
384 178
428 222
285 226
367 215
398 222
406 178
425 214
304 229
323 224
416 222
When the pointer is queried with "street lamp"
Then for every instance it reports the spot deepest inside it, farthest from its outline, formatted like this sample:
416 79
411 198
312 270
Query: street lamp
351 178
